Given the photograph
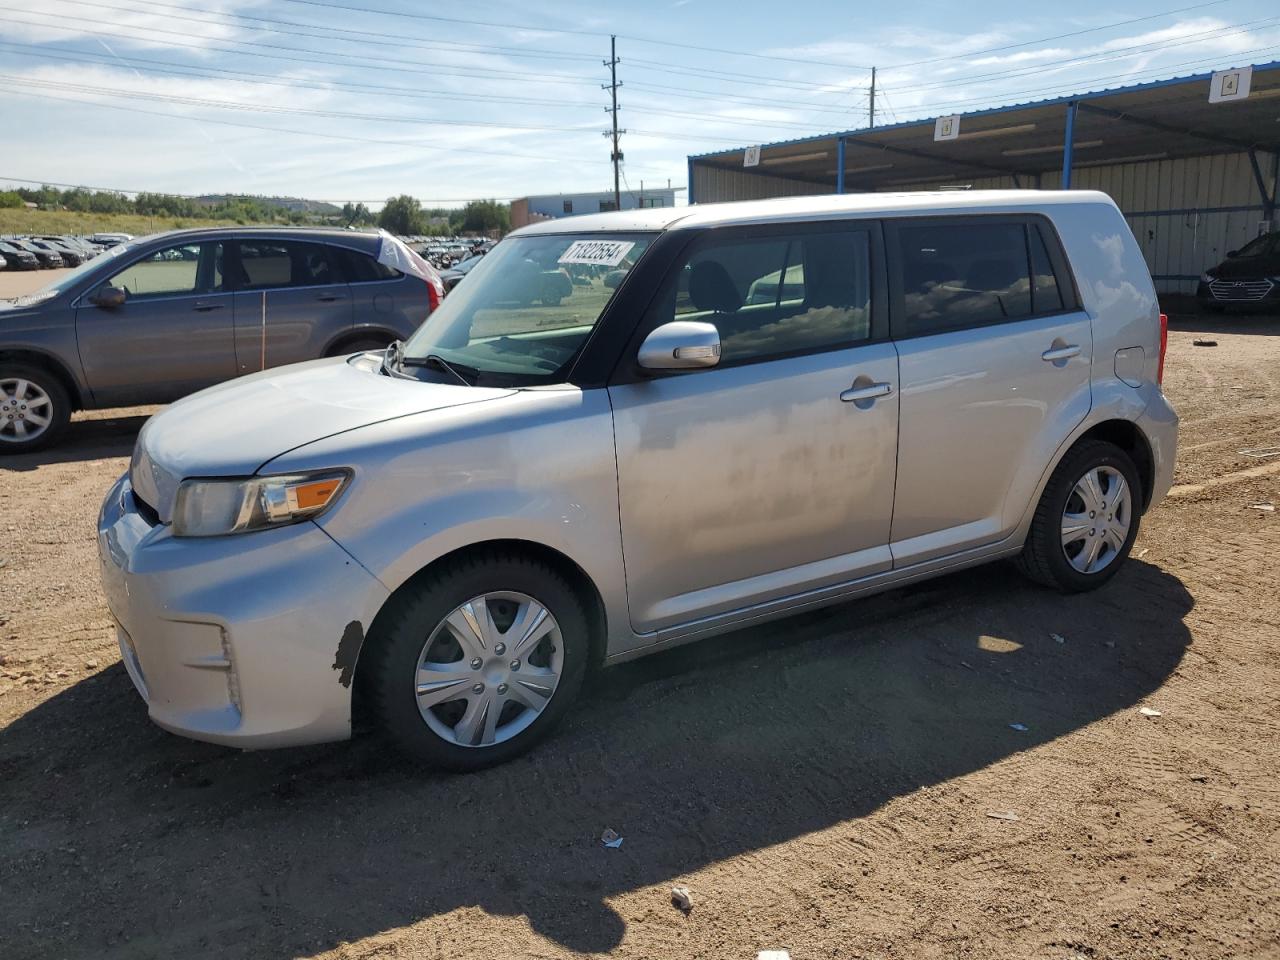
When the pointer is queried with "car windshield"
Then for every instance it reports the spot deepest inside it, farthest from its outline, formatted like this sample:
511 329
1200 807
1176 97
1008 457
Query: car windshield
528 307
73 277
1256 247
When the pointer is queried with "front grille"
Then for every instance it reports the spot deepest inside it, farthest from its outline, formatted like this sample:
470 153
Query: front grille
1240 289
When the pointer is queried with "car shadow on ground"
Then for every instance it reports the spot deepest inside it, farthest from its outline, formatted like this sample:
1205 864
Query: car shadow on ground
1188 316
120 840
92 438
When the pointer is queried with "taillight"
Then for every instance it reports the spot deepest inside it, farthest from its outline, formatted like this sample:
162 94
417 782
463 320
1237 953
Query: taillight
435 293
1164 345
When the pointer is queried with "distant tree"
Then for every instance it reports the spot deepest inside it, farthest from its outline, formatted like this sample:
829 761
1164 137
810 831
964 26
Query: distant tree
11 198
402 215
481 216
356 215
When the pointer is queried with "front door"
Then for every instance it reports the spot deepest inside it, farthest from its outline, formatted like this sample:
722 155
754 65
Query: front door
291 302
174 334
773 473
995 357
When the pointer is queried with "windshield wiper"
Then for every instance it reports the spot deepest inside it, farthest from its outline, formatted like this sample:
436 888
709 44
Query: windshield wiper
437 362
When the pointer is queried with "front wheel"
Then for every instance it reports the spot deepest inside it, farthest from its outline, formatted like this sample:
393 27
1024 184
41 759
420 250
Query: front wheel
1086 521
474 665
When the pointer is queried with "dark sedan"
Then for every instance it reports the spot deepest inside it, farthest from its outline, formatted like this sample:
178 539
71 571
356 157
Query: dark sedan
48 258
18 259
1249 277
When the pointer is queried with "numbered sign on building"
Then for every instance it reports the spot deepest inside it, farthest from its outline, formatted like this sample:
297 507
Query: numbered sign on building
1227 85
752 157
946 128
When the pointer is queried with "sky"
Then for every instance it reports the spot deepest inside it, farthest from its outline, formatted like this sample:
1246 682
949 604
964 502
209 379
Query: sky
359 100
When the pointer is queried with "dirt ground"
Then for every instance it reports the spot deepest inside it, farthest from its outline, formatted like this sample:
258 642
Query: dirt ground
15 283
846 784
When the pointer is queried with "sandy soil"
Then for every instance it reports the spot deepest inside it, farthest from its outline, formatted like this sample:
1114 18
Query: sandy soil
842 785
16 283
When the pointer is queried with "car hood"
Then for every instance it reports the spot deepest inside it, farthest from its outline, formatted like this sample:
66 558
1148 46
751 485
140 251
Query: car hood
1246 268
236 427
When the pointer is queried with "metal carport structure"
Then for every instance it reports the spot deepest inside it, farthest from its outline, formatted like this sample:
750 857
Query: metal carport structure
1194 178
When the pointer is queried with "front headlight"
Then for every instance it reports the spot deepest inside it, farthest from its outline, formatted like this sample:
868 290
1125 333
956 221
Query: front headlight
217 506
1207 277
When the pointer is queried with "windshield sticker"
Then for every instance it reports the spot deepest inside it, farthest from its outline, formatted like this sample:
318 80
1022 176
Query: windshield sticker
604 253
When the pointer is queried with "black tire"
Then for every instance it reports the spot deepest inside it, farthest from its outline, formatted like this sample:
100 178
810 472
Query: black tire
390 659
1043 556
52 387
363 345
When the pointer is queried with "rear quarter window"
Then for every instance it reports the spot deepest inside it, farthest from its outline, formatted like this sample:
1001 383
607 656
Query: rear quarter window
362 268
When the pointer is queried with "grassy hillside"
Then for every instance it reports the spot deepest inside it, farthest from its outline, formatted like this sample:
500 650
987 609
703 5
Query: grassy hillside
66 221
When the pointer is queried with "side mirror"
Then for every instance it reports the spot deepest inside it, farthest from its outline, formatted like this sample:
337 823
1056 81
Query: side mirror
109 297
1232 253
680 345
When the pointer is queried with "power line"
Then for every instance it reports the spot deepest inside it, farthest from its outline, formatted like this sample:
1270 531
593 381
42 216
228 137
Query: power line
414 144
345 34
382 63
1158 72
1060 36
266 79
807 61
1105 56
274 109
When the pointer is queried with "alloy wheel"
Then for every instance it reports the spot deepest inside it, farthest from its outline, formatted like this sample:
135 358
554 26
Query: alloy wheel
25 410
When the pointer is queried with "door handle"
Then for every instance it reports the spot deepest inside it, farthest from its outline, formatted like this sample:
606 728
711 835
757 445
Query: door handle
1061 353
869 392
204 306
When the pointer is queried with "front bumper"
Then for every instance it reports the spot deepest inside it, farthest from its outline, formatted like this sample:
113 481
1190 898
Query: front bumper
245 640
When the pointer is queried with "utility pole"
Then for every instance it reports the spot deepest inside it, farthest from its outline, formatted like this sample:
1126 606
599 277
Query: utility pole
872 122
612 87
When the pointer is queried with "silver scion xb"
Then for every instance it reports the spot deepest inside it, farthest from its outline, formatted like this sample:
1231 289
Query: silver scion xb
727 414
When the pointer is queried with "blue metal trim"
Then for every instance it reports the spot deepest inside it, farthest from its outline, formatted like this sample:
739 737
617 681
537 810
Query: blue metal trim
840 165
1069 143
992 111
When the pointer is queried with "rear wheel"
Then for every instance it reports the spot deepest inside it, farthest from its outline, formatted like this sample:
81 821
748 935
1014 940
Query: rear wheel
474 665
34 408
1086 521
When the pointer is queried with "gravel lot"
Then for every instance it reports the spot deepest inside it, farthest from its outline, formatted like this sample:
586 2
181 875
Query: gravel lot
845 784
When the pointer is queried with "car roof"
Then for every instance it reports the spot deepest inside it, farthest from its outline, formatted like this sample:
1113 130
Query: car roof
360 239
853 205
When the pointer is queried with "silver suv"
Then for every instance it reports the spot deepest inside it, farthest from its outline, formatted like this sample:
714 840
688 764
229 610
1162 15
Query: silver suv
155 319
735 412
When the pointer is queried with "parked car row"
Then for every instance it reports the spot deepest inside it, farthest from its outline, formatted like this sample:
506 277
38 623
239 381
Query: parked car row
152 320
47 252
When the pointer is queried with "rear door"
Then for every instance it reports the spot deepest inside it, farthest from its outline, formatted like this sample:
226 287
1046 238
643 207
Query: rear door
175 333
292 301
385 302
994 357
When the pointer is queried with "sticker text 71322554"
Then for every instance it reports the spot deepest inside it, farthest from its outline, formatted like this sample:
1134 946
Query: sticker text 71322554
604 253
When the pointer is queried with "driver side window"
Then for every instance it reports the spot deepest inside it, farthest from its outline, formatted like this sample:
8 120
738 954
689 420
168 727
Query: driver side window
780 295
185 269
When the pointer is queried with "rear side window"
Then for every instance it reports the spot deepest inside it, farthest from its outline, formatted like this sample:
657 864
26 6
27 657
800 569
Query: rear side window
971 273
778 295
285 263
362 268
